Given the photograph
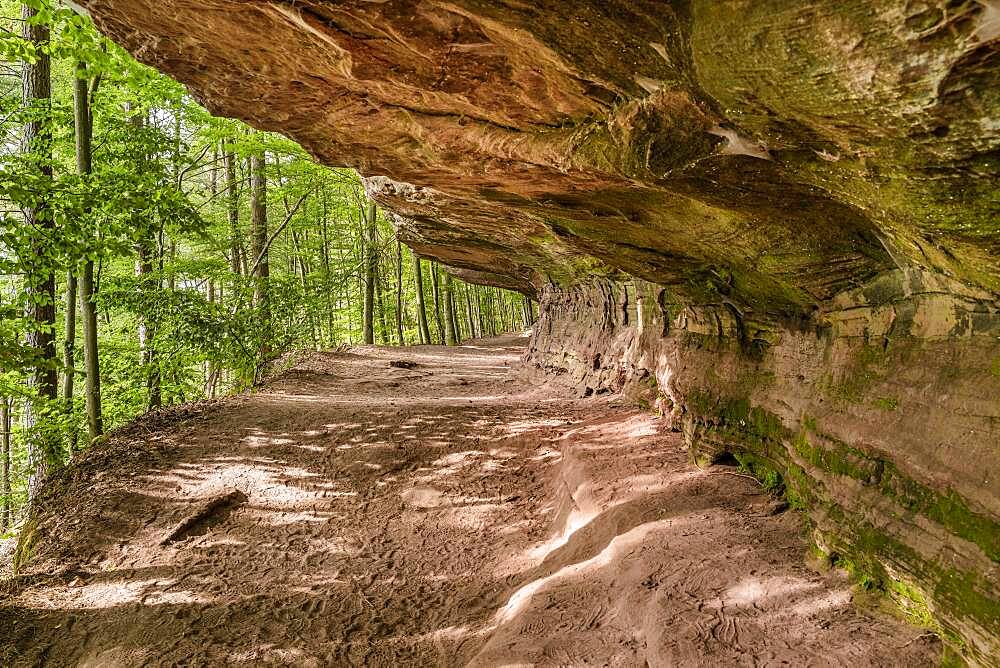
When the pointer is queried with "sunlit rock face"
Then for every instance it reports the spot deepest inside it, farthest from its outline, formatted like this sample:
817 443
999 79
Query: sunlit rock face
800 199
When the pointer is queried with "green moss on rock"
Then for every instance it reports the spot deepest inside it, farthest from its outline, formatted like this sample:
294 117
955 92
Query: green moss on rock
783 461
27 541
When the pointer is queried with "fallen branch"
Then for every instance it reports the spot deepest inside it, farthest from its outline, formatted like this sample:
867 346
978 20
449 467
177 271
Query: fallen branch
210 507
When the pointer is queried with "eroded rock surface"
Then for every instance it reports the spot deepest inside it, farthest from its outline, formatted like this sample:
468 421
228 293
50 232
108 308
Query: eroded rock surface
802 197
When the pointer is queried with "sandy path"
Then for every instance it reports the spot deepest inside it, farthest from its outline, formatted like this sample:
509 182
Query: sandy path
439 515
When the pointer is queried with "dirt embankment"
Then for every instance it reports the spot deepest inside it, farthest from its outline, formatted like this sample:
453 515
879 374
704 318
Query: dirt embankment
356 513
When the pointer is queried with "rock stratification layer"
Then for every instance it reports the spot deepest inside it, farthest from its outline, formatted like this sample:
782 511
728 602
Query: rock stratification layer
781 217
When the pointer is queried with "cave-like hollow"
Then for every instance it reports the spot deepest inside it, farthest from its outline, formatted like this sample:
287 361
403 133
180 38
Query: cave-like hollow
778 220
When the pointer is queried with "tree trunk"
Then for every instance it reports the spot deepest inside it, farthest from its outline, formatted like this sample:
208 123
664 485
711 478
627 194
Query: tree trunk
262 273
40 279
479 312
145 248
491 312
501 313
370 260
399 292
468 313
147 349
456 309
436 290
213 181
327 291
69 364
6 503
299 261
233 211
449 312
425 334
504 313
212 370
95 419
456 313
383 331
84 127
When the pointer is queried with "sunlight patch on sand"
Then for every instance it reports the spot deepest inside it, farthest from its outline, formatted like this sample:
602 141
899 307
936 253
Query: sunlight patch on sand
754 590
100 595
618 545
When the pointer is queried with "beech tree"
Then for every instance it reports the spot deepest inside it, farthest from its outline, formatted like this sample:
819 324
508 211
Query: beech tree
40 279
418 285
83 121
371 269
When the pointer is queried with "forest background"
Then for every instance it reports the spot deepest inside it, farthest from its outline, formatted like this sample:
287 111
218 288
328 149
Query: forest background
151 254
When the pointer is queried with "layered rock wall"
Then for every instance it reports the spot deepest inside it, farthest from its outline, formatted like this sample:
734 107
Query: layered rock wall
879 419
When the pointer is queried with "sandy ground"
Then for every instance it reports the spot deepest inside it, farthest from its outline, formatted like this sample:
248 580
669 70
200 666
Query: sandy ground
353 513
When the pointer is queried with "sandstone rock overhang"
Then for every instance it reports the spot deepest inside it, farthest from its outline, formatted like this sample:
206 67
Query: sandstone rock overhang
780 220
776 152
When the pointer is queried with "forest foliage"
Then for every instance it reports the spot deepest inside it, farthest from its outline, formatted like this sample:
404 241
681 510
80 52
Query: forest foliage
199 248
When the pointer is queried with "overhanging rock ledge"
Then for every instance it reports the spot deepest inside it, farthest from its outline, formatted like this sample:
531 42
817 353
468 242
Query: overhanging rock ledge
779 220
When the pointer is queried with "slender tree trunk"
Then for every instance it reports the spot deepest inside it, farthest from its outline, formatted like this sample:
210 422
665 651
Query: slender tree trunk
233 212
425 334
6 503
146 248
501 314
143 270
212 377
449 311
258 208
69 364
491 312
504 311
509 309
479 311
171 258
399 292
84 127
303 270
40 279
456 309
436 290
468 313
456 313
91 354
383 330
504 319
370 260
213 182
484 301
327 288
